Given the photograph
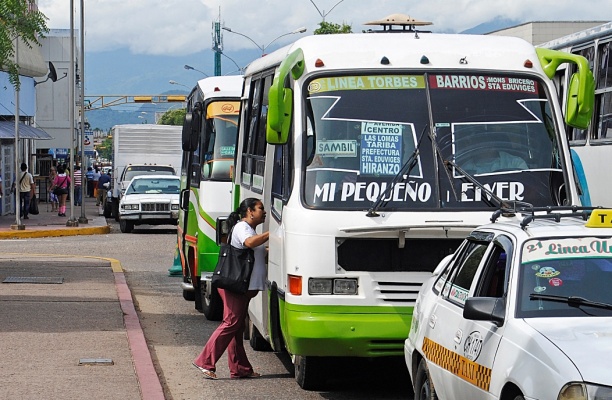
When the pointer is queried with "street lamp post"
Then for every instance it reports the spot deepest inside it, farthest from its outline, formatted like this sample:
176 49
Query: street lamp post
177 83
188 67
264 47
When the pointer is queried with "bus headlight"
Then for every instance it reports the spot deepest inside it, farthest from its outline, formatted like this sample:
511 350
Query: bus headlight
342 286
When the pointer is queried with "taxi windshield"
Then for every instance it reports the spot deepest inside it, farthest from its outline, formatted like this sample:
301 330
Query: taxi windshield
361 131
561 276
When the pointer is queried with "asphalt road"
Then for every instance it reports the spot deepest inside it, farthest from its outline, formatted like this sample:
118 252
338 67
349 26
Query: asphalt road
176 332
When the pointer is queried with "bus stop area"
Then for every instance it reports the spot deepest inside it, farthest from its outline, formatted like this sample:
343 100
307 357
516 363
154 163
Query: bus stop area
68 325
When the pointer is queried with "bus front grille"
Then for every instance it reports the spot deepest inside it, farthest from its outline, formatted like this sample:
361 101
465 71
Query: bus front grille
404 293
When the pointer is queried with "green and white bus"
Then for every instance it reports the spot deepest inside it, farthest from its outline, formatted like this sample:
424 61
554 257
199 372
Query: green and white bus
372 155
209 141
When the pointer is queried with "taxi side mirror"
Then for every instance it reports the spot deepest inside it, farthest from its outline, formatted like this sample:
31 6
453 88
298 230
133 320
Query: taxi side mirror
491 309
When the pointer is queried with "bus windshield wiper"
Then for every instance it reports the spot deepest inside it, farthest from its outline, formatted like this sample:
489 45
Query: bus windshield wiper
405 170
572 301
499 200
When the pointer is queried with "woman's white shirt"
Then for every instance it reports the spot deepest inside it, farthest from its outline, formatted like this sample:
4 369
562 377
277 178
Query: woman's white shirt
242 231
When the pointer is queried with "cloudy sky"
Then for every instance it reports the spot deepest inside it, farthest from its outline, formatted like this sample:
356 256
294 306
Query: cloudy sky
181 27
137 46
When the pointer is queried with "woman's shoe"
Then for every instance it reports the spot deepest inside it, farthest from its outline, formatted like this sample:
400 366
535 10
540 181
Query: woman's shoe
208 374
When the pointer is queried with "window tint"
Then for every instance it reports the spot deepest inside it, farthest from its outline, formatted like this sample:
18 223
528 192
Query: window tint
458 287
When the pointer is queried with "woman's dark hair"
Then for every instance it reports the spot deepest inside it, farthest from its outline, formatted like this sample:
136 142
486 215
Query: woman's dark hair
60 169
236 216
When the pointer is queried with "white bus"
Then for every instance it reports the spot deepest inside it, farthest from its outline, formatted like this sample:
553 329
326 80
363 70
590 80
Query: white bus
592 147
375 154
209 142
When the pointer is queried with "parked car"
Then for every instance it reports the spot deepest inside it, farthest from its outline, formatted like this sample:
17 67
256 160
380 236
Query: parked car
149 199
522 309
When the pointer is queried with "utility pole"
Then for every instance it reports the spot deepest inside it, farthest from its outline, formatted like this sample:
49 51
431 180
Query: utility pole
217 43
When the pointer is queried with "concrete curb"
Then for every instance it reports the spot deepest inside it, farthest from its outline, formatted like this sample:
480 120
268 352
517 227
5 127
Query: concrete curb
54 232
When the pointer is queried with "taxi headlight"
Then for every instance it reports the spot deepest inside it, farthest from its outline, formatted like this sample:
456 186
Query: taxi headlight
583 391
174 207
332 286
130 206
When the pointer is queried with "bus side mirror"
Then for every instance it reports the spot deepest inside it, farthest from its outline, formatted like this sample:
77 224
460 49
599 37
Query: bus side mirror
581 89
580 100
280 98
191 130
222 230
185 200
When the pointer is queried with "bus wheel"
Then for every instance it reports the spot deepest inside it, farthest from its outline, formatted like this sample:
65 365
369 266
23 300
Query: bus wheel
212 305
188 295
256 340
310 372
197 289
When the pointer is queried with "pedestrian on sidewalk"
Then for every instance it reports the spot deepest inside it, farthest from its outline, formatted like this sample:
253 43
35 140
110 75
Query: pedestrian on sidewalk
89 175
77 185
62 181
103 186
27 189
52 196
229 335
96 177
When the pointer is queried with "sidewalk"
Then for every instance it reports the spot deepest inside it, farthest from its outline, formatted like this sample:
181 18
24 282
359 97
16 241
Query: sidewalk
69 330
47 223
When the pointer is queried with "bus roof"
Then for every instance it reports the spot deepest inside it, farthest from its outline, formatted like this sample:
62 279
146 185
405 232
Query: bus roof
405 50
221 86
579 37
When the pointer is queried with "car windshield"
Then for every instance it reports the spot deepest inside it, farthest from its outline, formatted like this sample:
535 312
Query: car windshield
362 130
559 277
136 170
154 186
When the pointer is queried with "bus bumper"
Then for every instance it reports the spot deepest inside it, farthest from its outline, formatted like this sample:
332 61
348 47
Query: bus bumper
350 331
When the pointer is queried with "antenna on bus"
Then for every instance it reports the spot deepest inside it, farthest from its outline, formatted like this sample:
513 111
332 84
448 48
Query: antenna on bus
405 23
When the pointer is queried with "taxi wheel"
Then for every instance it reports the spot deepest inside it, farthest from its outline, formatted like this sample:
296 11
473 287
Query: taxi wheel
423 386
126 226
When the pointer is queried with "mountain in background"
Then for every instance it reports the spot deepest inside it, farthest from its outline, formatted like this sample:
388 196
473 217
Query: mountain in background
122 73
492 26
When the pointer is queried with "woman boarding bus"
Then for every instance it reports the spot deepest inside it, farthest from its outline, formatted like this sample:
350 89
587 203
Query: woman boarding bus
209 141
355 144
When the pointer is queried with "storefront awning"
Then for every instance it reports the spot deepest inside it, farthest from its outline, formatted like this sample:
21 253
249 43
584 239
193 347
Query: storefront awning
7 131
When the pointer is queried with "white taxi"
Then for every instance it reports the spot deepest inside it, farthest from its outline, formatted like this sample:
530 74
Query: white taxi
522 310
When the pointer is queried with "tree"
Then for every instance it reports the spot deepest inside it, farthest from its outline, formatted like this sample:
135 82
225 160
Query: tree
328 28
18 19
173 117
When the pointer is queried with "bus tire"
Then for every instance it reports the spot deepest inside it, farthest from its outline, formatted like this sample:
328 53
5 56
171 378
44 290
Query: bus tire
197 290
310 372
276 334
256 340
212 304
188 295
423 386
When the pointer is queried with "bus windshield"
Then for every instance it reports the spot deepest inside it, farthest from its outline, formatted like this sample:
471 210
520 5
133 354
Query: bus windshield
361 131
220 141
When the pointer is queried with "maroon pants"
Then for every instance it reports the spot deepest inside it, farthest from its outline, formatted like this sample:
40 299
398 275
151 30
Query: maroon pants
229 335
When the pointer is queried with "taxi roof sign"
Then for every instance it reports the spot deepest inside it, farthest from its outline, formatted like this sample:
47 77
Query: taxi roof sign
601 218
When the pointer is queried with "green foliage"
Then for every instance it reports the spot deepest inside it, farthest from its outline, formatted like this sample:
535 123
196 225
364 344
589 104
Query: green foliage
173 117
18 19
105 149
328 28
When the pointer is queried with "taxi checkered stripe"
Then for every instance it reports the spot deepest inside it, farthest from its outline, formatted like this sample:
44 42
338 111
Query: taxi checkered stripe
470 371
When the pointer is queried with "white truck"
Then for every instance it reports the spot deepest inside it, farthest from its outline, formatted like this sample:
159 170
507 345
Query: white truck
141 149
